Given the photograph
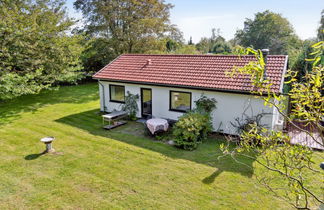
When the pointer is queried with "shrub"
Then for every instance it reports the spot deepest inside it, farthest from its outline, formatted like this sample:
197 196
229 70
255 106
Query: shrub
191 129
131 105
246 122
204 104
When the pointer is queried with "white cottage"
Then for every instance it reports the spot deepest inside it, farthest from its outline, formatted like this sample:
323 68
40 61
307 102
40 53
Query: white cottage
168 85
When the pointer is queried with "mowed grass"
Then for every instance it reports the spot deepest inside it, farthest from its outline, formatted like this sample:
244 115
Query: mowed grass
95 168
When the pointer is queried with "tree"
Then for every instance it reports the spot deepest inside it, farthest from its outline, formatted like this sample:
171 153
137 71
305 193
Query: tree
203 45
98 52
130 25
174 41
172 45
221 48
289 167
299 51
298 60
215 44
267 30
190 41
216 36
186 49
320 32
35 50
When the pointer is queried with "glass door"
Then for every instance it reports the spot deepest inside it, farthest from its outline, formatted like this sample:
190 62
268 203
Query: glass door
146 102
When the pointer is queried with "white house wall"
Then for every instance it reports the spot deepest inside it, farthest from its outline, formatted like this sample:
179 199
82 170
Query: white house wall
229 106
101 93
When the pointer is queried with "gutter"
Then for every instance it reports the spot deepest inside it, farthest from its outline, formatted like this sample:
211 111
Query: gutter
177 86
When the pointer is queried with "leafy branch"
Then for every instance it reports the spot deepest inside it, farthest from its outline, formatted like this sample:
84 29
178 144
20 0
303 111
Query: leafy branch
272 149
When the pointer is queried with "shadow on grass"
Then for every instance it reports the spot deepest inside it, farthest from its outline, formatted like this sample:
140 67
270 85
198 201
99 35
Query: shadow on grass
211 178
34 156
132 133
11 109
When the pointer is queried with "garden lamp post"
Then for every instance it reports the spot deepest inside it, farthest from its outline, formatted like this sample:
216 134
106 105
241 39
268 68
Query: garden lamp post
48 142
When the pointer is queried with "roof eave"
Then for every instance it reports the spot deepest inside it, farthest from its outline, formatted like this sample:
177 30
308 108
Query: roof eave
179 86
103 68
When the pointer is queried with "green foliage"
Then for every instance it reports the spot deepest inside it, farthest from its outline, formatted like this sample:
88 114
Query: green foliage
203 45
297 59
187 50
36 52
259 137
272 149
131 105
126 26
215 44
246 122
190 41
222 48
290 162
254 69
172 45
294 48
131 26
205 104
191 129
98 52
267 30
180 49
307 97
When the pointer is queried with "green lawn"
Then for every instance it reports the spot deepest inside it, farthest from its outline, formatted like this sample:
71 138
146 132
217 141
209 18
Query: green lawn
95 168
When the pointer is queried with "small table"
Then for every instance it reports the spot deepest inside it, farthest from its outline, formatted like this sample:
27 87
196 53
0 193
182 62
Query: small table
112 119
157 124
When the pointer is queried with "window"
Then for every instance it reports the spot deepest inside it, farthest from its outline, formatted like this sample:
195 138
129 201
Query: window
180 101
117 93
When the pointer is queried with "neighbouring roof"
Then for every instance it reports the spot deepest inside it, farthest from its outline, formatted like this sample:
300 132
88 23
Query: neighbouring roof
191 71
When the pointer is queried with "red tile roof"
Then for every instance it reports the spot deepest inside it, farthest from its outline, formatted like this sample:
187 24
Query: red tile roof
194 71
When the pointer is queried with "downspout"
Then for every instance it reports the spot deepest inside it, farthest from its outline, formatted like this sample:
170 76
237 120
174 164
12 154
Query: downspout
103 95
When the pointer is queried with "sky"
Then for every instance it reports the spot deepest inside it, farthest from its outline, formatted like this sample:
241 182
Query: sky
196 18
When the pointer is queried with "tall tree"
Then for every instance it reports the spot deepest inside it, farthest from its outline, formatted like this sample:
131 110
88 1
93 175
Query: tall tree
215 44
266 30
190 41
221 47
35 50
320 32
298 59
130 25
98 52
204 45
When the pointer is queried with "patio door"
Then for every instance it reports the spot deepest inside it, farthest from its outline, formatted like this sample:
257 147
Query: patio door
146 102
